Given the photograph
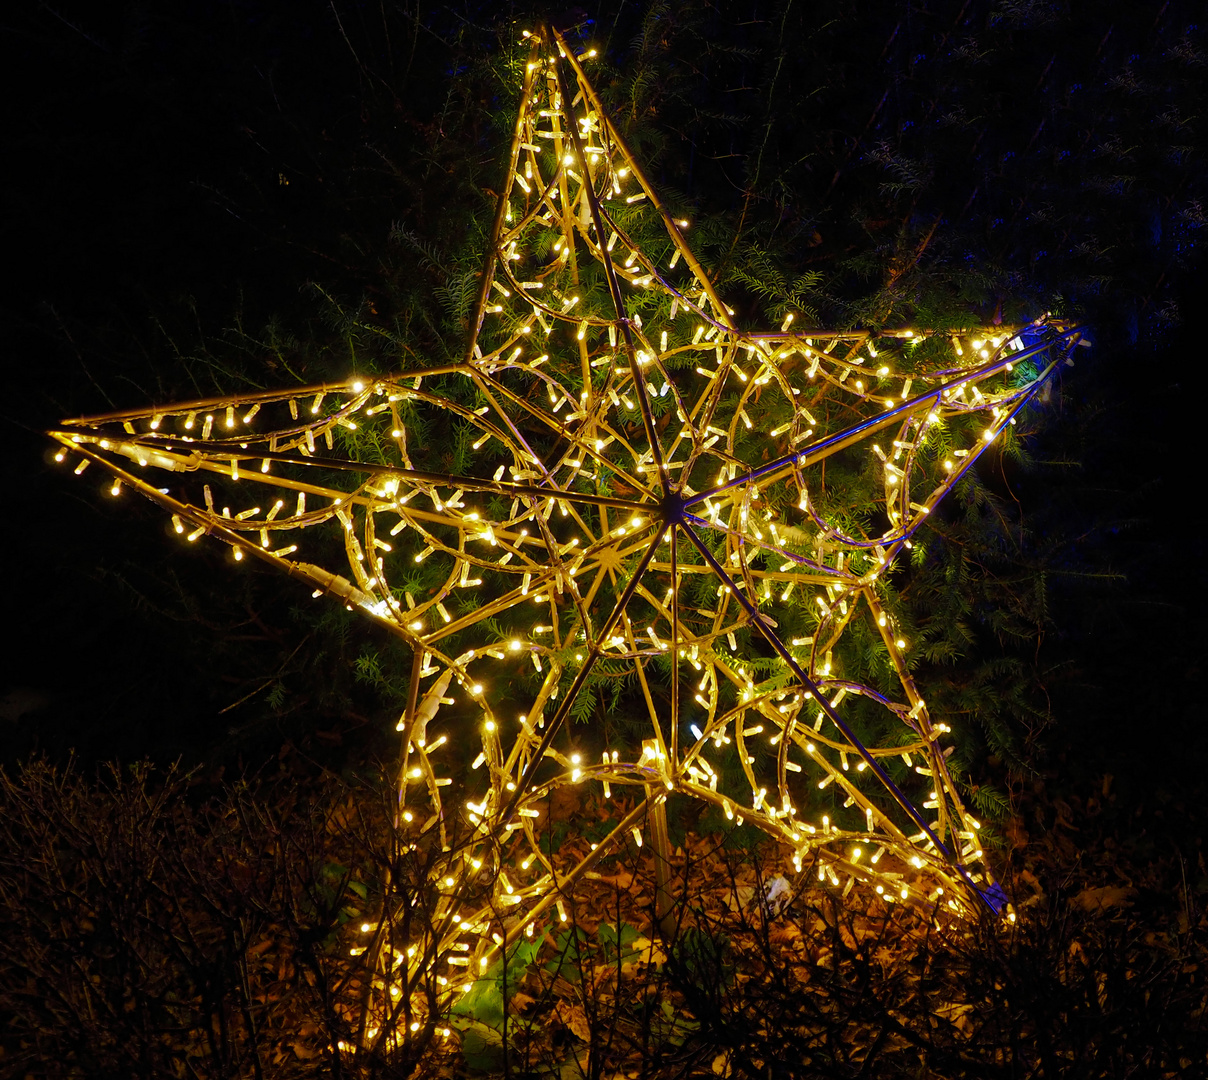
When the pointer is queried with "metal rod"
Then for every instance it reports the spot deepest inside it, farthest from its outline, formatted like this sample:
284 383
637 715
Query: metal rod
453 480
775 642
843 439
552 728
677 237
614 288
492 253
261 396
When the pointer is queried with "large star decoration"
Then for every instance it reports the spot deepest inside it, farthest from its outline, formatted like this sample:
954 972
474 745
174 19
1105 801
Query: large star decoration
613 510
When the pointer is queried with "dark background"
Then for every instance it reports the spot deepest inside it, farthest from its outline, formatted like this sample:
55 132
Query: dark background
175 177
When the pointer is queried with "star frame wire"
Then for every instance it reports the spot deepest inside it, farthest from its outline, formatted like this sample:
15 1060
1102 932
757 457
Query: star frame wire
638 509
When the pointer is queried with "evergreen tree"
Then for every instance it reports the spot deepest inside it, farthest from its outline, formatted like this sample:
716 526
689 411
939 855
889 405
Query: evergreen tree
856 166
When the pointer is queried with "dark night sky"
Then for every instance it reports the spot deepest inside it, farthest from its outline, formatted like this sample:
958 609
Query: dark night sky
136 185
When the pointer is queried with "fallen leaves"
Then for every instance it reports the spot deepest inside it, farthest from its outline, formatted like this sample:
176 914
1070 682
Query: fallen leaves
1105 964
570 1015
1104 898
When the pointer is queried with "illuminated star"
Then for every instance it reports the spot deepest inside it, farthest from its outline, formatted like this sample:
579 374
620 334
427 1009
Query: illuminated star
605 539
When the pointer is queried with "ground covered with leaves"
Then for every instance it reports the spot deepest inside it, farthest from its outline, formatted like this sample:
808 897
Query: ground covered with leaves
154 925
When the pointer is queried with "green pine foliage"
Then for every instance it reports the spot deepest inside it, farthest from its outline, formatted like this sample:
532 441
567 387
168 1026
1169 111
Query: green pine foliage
843 162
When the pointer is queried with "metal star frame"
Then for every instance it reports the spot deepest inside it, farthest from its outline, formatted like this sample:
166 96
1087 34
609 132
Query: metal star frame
635 531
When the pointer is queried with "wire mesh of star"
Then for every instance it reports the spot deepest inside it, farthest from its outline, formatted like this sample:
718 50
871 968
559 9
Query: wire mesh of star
616 503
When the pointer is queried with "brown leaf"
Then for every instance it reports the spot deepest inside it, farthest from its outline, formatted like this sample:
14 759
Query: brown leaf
956 1013
564 803
622 879
1104 898
784 932
571 1015
518 1000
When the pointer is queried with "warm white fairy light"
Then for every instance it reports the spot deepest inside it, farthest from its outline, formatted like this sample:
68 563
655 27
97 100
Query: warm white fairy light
562 529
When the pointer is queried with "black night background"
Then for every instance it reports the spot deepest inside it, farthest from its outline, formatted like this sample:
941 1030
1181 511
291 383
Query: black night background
206 195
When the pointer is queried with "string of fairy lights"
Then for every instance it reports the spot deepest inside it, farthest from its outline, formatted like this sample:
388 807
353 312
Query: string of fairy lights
616 491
